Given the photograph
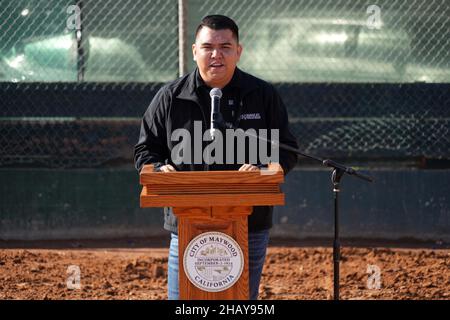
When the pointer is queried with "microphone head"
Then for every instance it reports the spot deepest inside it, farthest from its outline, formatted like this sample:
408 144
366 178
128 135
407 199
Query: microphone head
215 92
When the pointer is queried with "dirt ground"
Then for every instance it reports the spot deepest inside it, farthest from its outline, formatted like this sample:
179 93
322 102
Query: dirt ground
290 272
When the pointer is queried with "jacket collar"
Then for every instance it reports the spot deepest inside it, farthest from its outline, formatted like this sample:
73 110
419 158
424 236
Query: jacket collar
188 89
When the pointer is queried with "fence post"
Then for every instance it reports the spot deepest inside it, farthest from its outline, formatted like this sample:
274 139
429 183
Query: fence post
182 18
80 45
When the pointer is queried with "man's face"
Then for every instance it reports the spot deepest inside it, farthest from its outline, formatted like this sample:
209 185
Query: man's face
216 53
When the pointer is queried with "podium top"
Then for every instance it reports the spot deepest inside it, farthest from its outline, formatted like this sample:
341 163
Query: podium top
212 188
273 174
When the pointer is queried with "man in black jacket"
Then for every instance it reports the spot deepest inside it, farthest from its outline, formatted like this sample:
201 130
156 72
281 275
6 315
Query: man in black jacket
247 103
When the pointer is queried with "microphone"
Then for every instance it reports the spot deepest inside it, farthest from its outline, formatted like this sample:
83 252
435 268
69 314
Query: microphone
216 117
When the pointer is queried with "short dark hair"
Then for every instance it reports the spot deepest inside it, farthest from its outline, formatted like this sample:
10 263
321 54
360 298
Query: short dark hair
219 22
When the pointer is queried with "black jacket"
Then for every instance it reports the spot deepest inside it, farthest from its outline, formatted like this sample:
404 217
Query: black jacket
181 102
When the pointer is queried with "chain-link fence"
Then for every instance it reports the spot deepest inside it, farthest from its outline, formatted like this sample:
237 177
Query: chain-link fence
364 80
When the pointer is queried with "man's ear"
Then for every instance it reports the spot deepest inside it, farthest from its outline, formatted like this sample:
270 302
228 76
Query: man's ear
194 52
239 51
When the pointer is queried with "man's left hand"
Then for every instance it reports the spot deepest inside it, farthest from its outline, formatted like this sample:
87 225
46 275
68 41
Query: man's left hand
248 167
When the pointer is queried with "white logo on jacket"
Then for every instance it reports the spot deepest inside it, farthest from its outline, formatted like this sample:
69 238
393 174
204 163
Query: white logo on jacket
250 116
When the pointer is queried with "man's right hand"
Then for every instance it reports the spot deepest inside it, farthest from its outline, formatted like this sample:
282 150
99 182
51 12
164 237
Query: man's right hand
167 168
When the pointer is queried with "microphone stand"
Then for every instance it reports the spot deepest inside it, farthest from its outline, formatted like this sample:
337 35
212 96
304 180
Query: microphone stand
337 173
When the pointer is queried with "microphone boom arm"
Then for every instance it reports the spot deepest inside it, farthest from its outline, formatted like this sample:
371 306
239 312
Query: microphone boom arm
325 162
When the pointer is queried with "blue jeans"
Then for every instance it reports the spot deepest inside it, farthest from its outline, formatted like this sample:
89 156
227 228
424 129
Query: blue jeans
257 246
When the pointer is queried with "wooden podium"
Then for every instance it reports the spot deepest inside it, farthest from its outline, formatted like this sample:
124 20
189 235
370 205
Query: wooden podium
212 201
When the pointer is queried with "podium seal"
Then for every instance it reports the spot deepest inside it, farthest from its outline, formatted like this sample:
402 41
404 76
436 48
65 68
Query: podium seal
213 261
